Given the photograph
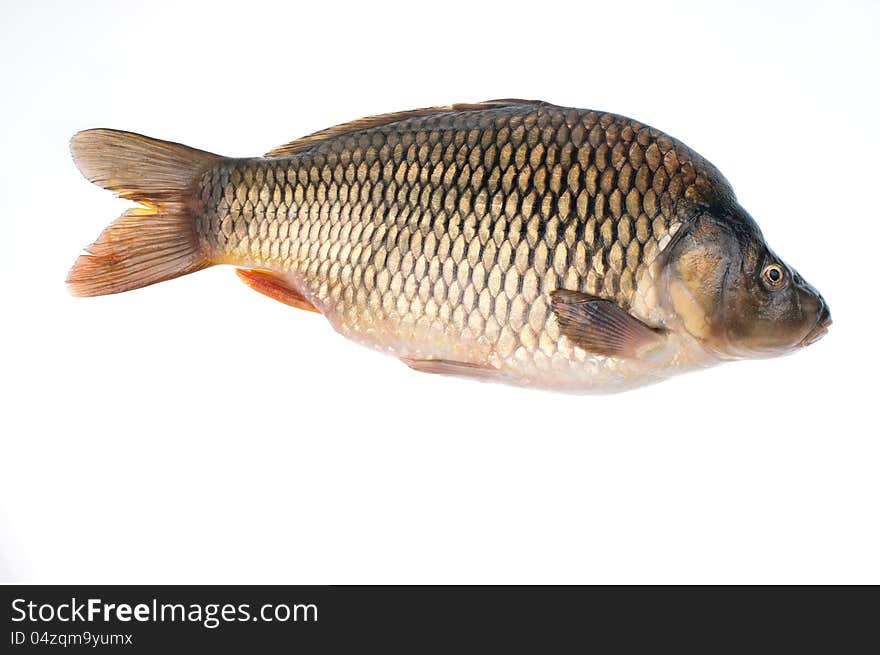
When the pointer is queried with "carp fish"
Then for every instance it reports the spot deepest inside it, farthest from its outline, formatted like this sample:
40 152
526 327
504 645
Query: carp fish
508 240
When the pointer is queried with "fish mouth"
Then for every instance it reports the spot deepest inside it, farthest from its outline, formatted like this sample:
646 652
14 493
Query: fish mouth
817 332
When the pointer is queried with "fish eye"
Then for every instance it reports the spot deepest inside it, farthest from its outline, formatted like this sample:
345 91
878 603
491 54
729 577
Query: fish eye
774 276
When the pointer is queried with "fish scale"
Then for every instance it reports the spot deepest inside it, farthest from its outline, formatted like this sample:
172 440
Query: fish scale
443 235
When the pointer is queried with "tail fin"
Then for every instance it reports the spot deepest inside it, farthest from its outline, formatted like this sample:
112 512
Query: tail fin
147 244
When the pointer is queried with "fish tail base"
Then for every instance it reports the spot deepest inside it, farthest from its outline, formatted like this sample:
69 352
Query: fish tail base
147 244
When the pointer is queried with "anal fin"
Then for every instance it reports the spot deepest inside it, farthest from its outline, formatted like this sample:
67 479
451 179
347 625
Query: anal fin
599 326
276 286
451 367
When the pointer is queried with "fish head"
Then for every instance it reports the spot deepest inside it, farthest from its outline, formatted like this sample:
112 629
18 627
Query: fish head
731 292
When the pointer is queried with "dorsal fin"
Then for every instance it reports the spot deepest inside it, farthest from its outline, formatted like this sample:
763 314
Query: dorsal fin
306 142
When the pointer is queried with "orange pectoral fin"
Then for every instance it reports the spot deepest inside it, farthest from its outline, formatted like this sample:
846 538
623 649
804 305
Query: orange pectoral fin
599 326
275 285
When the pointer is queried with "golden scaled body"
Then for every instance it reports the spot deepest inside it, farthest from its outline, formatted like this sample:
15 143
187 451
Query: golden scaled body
453 237
441 236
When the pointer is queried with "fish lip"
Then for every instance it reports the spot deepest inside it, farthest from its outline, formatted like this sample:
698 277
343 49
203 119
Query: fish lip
817 332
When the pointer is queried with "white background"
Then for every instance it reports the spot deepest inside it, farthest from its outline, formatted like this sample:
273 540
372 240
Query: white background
195 431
